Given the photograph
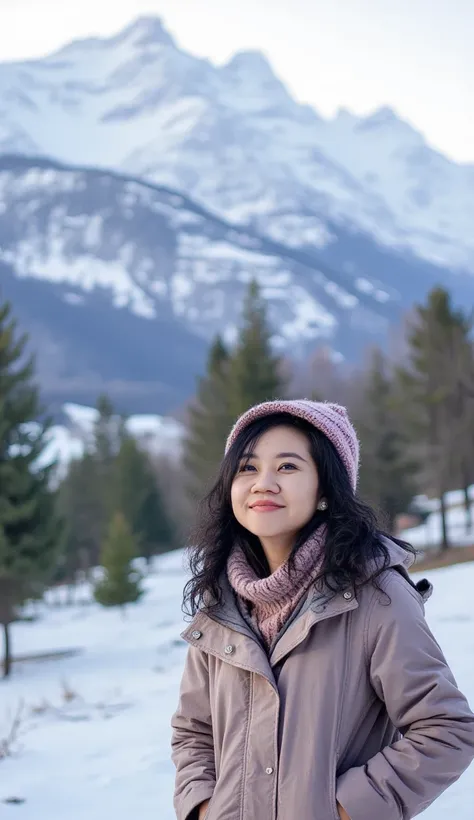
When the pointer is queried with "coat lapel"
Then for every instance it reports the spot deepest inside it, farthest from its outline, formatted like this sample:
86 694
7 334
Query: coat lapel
322 607
224 627
231 643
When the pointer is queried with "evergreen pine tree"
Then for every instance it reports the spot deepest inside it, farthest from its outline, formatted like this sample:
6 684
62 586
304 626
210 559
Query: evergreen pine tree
109 432
85 495
255 373
82 508
387 475
209 422
464 399
461 411
434 404
136 494
233 382
121 584
29 530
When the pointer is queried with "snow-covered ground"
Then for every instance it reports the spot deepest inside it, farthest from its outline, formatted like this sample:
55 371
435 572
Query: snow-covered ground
105 752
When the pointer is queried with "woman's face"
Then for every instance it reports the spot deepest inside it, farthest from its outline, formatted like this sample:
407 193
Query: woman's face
275 491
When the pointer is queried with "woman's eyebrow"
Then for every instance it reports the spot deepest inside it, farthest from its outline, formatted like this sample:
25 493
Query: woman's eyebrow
290 455
279 455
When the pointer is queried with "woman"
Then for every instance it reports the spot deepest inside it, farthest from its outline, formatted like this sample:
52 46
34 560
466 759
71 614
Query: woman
313 688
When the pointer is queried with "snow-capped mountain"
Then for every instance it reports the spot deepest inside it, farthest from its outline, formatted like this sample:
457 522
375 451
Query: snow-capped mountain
123 283
234 139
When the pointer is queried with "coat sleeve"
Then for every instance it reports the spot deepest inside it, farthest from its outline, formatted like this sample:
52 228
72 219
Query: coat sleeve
410 675
192 740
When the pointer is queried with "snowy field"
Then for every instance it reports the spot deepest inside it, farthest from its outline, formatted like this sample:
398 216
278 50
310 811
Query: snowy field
94 728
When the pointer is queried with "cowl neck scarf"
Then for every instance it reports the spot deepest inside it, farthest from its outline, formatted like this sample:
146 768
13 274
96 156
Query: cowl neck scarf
272 600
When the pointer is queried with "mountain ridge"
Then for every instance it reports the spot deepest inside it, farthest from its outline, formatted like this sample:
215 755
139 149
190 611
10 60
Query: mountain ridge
123 283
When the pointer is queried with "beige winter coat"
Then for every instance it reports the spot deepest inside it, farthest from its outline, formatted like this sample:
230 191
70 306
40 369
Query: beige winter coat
356 703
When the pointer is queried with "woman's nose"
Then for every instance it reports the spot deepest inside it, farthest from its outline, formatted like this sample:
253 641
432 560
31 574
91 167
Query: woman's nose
265 481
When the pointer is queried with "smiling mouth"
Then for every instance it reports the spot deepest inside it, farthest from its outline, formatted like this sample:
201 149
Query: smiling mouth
266 507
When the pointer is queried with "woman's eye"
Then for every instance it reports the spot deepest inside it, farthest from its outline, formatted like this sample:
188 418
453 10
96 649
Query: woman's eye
286 468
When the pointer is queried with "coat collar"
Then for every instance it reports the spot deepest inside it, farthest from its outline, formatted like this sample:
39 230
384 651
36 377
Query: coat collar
322 607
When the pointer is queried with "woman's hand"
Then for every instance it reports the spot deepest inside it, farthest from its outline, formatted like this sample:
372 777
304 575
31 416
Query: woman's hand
203 809
342 813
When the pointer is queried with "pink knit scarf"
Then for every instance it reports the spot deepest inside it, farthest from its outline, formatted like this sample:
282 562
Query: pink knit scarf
275 597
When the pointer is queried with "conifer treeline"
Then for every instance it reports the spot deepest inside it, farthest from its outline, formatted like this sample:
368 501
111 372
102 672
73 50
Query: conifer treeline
114 475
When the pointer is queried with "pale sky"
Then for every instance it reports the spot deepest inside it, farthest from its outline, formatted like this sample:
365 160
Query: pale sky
414 55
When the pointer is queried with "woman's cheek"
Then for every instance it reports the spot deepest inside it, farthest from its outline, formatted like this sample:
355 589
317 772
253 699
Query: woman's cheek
237 498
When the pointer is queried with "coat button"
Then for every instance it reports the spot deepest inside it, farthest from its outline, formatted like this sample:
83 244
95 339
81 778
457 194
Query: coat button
229 649
269 770
196 634
348 596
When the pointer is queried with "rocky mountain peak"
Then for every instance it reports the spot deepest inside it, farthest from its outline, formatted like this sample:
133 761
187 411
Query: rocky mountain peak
147 30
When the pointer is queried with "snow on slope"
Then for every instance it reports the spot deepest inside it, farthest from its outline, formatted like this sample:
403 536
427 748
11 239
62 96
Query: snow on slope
158 254
106 752
233 137
159 435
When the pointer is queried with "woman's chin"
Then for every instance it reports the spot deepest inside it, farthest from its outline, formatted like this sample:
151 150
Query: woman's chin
266 530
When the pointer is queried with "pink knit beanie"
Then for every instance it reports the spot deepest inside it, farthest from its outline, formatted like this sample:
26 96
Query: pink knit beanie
330 419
